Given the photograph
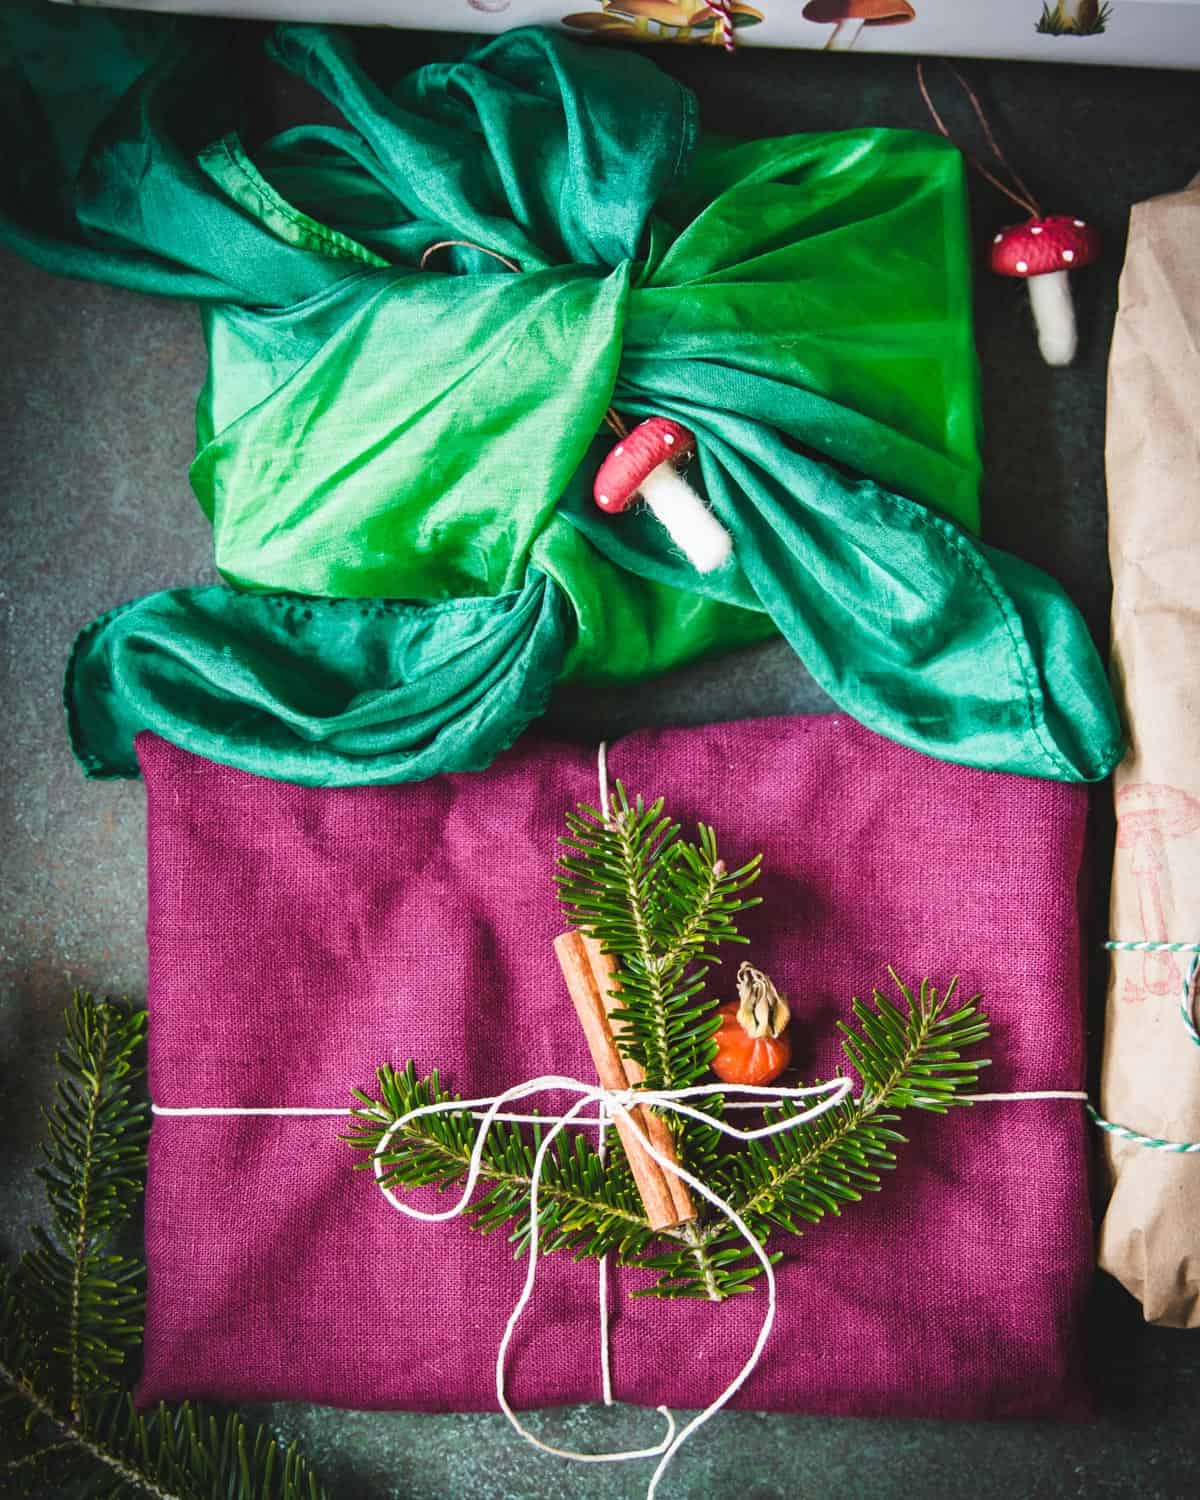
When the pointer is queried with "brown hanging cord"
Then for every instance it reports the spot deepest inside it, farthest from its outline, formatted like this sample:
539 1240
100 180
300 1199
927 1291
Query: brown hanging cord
1024 198
612 417
470 245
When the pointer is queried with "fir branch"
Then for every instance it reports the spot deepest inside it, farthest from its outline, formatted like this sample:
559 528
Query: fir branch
661 906
586 1206
908 1056
184 1452
95 1159
70 1312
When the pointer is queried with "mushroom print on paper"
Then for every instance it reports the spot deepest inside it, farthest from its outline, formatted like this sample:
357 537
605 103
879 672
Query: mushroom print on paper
661 20
1074 18
849 17
1148 814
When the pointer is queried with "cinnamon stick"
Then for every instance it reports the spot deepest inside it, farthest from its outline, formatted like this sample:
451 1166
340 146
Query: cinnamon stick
605 967
588 977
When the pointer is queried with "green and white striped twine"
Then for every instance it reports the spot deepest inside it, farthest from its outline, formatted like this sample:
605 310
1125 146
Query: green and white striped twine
1186 1006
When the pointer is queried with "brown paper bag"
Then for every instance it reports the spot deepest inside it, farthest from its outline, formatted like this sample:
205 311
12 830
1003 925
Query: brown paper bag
1151 1072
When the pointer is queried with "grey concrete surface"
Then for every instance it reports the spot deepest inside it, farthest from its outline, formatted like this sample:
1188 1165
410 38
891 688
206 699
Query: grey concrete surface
96 396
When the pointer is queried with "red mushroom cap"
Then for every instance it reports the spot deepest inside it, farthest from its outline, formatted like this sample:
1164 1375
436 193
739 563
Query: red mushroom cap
636 455
1056 243
869 12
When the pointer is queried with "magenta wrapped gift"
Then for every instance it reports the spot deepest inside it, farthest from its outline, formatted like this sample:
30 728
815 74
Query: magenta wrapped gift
301 936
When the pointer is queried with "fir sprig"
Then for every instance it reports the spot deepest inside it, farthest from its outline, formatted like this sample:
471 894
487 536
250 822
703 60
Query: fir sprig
71 1312
95 1157
661 906
587 1206
907 1056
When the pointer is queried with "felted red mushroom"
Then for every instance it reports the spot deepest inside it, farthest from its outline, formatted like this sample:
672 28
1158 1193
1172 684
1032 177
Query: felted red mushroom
643 463
1044 252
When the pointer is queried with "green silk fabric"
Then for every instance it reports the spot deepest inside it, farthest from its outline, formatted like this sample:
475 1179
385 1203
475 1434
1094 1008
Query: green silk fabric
374 431
450 684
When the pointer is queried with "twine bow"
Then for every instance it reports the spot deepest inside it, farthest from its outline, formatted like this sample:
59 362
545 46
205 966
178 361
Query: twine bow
613 1105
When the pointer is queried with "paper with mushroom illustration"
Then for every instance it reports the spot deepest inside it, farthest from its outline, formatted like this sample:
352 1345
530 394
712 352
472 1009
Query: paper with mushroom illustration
1140 33
1151 1077
659 20
1074 17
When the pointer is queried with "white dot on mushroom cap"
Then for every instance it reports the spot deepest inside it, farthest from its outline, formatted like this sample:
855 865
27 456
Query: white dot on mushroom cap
997 240
1068 256
1022 265
620 448
669 439
603 499
1079 223
1036 229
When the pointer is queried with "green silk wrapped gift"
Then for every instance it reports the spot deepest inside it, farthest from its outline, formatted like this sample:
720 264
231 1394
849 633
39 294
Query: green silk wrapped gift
396 448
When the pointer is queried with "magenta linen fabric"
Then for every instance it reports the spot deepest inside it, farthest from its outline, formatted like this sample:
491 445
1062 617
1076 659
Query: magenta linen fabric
300 936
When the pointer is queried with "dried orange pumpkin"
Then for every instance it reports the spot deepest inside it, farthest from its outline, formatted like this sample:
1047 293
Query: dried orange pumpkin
752 1044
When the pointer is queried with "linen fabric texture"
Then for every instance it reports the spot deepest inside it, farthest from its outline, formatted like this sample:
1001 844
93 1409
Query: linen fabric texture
300 937
371 430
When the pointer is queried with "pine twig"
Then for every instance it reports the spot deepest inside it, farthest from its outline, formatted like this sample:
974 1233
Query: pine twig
584 1207
661 906
70 1312
908 1056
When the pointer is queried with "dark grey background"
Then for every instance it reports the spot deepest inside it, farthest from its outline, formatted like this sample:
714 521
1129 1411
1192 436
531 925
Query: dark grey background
96 396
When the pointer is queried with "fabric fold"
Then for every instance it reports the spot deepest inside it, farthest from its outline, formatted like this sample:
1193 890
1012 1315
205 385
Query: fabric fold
315 692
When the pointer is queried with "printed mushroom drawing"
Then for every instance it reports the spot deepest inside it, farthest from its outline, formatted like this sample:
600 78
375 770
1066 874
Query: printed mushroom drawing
1074 18
1044 252
661 20
848 17
602 23
643 463
1148 814
652 18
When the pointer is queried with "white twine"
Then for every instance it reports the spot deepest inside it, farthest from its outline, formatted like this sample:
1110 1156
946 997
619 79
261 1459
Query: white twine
606 1386
594 1121
606 1389
602 772
610 1104
618 1104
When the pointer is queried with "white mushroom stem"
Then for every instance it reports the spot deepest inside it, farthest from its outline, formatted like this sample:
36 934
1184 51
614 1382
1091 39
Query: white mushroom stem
1054 315
843 36
692 526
